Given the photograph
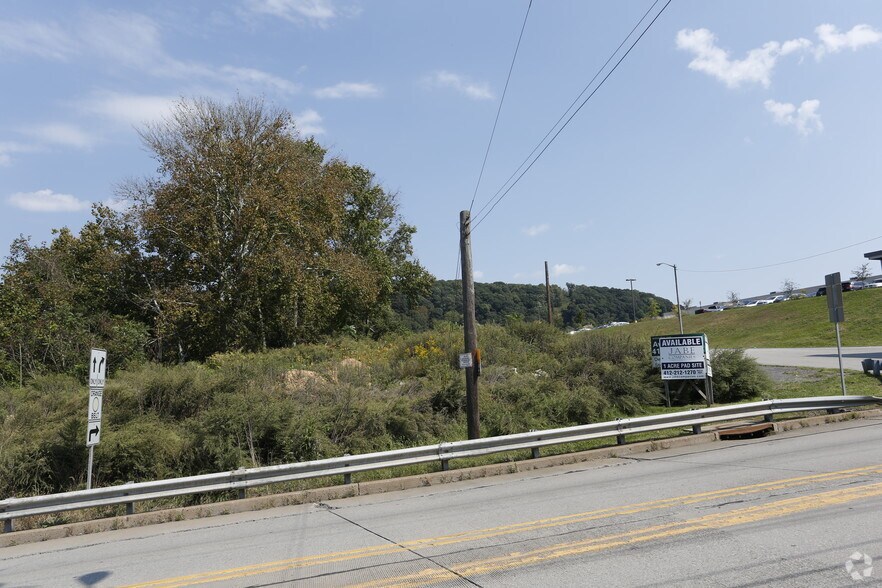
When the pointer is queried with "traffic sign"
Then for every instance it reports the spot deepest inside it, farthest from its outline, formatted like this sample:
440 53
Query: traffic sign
96 398
465 360
93 434
97 368
834 298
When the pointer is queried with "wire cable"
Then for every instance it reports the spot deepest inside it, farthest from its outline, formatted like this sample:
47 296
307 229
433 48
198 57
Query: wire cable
548 144
570 107
499 109
747 269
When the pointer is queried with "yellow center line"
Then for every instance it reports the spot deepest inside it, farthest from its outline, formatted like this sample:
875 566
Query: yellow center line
773 510
487 533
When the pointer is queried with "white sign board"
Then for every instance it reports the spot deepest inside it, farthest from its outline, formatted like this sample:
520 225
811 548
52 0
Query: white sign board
93 426
97 379
684 357
97 368
465 360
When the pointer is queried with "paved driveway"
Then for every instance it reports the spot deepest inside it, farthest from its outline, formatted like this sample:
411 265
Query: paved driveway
815 357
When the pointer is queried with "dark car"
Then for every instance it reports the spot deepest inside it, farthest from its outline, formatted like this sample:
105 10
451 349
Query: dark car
822 291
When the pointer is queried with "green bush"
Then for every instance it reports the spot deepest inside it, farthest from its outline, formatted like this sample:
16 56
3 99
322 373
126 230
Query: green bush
737 377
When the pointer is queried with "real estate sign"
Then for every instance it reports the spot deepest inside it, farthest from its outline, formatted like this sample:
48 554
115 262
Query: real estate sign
682 357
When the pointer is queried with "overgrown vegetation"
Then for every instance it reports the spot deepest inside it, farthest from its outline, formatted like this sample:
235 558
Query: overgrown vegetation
314 401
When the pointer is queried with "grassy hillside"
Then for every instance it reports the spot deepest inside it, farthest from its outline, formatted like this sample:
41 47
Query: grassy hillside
795 323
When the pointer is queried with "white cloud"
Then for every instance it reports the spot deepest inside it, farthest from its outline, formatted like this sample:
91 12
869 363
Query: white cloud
256 77
832 41
446 79
45 40
535 230
8 148
477 274
563 269
62 134
805 118
47 201
755 68
349 90
309 122
316 12
130 109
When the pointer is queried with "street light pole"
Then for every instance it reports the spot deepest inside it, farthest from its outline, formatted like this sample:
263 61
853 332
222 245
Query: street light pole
677 290
633 304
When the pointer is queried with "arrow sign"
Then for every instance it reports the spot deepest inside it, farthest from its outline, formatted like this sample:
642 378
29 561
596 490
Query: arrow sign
93 434
97 368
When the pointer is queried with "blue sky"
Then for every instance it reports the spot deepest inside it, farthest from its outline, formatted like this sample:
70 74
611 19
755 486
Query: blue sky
735 134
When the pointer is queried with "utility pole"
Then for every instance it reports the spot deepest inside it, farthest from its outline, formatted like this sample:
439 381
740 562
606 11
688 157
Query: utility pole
633 303
468 322
548 293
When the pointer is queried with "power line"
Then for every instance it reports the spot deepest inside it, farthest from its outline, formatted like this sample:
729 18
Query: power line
747 269
570 107
585 101
496 122
501 100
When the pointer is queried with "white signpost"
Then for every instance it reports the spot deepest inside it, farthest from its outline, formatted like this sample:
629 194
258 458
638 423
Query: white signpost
97 378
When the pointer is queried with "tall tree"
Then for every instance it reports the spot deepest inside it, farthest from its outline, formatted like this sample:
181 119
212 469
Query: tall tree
252 238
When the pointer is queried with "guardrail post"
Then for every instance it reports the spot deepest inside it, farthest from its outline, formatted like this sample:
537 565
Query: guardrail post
8 527
130 506
620 439
696 429
347 477
535 451
241 493
769 418
445 465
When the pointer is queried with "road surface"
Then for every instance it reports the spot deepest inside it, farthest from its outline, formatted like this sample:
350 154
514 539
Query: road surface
815 357
787 510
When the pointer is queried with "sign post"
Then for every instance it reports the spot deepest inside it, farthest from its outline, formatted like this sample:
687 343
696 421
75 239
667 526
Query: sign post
837 315
97 378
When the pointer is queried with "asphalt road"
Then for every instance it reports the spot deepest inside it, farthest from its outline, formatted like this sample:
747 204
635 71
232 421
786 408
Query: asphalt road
788 510
815 357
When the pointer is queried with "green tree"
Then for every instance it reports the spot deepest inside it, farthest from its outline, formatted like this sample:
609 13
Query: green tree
252 238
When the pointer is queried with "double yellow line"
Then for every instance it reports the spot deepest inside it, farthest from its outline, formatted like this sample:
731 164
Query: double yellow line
775 509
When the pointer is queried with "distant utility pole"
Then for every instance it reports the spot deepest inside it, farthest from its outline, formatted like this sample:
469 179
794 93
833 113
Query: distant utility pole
468 322
633 303
548 293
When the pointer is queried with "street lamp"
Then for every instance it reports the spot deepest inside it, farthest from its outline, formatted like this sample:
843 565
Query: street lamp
677 290
633 304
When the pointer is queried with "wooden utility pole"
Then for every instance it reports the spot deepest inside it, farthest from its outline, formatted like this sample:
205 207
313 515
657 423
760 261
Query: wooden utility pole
468 322
548 294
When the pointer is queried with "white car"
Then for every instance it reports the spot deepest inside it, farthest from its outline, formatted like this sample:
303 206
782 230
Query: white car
858 285
765 301
750 303
877 283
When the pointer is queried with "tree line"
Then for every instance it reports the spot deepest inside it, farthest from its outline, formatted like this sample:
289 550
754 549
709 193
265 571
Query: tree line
499 303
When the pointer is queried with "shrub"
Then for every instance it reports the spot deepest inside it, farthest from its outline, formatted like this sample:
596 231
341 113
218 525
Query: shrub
737 377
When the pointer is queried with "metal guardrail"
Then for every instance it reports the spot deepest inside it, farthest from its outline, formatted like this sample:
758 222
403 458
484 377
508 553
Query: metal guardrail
12 508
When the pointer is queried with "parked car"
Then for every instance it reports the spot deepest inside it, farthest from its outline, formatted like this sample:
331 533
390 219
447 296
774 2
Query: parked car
749 302
765 301
858 285
877 283
846 286
779 298
822 291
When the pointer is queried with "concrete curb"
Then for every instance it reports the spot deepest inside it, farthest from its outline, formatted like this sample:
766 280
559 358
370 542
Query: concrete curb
394 484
